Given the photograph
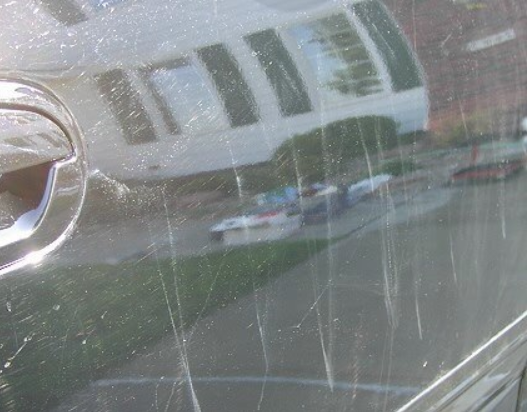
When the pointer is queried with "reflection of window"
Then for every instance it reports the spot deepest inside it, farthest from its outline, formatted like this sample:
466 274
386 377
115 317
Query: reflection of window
337 56
390 43
281 72
186 97
71 12
65 11
237 98
126 106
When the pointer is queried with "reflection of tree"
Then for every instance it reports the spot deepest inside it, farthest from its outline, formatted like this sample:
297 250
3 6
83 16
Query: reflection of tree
326 151
355 73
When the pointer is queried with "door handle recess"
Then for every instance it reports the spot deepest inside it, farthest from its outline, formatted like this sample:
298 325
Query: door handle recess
42 173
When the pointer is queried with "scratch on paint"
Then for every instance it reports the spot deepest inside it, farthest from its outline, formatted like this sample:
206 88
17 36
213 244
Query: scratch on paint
180 340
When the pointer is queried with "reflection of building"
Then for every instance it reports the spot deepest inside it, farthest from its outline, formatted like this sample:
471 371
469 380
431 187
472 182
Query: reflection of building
231 94
474 56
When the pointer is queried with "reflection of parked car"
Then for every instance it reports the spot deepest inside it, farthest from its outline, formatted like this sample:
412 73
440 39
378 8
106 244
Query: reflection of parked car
321 203
258 225
357 191
490 171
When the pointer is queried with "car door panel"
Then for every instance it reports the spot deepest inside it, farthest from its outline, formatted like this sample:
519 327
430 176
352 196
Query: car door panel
277 206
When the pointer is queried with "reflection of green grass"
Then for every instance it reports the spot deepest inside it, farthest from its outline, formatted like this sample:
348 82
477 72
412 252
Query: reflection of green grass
396 167
78 323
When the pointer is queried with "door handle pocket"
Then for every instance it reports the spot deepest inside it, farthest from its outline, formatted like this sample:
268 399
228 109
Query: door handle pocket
42 173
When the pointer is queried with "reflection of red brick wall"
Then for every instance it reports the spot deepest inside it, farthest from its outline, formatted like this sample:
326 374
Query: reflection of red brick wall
490 80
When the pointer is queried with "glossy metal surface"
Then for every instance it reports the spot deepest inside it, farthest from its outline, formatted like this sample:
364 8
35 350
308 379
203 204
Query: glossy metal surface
289 206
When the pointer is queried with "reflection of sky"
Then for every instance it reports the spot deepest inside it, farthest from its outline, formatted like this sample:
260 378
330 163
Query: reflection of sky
324 56
188 97
322 64
102 4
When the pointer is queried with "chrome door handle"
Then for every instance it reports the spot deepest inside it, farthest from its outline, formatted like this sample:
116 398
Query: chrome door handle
42 173
29 139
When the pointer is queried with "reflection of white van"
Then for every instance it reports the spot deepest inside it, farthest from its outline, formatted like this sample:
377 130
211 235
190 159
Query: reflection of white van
243 87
